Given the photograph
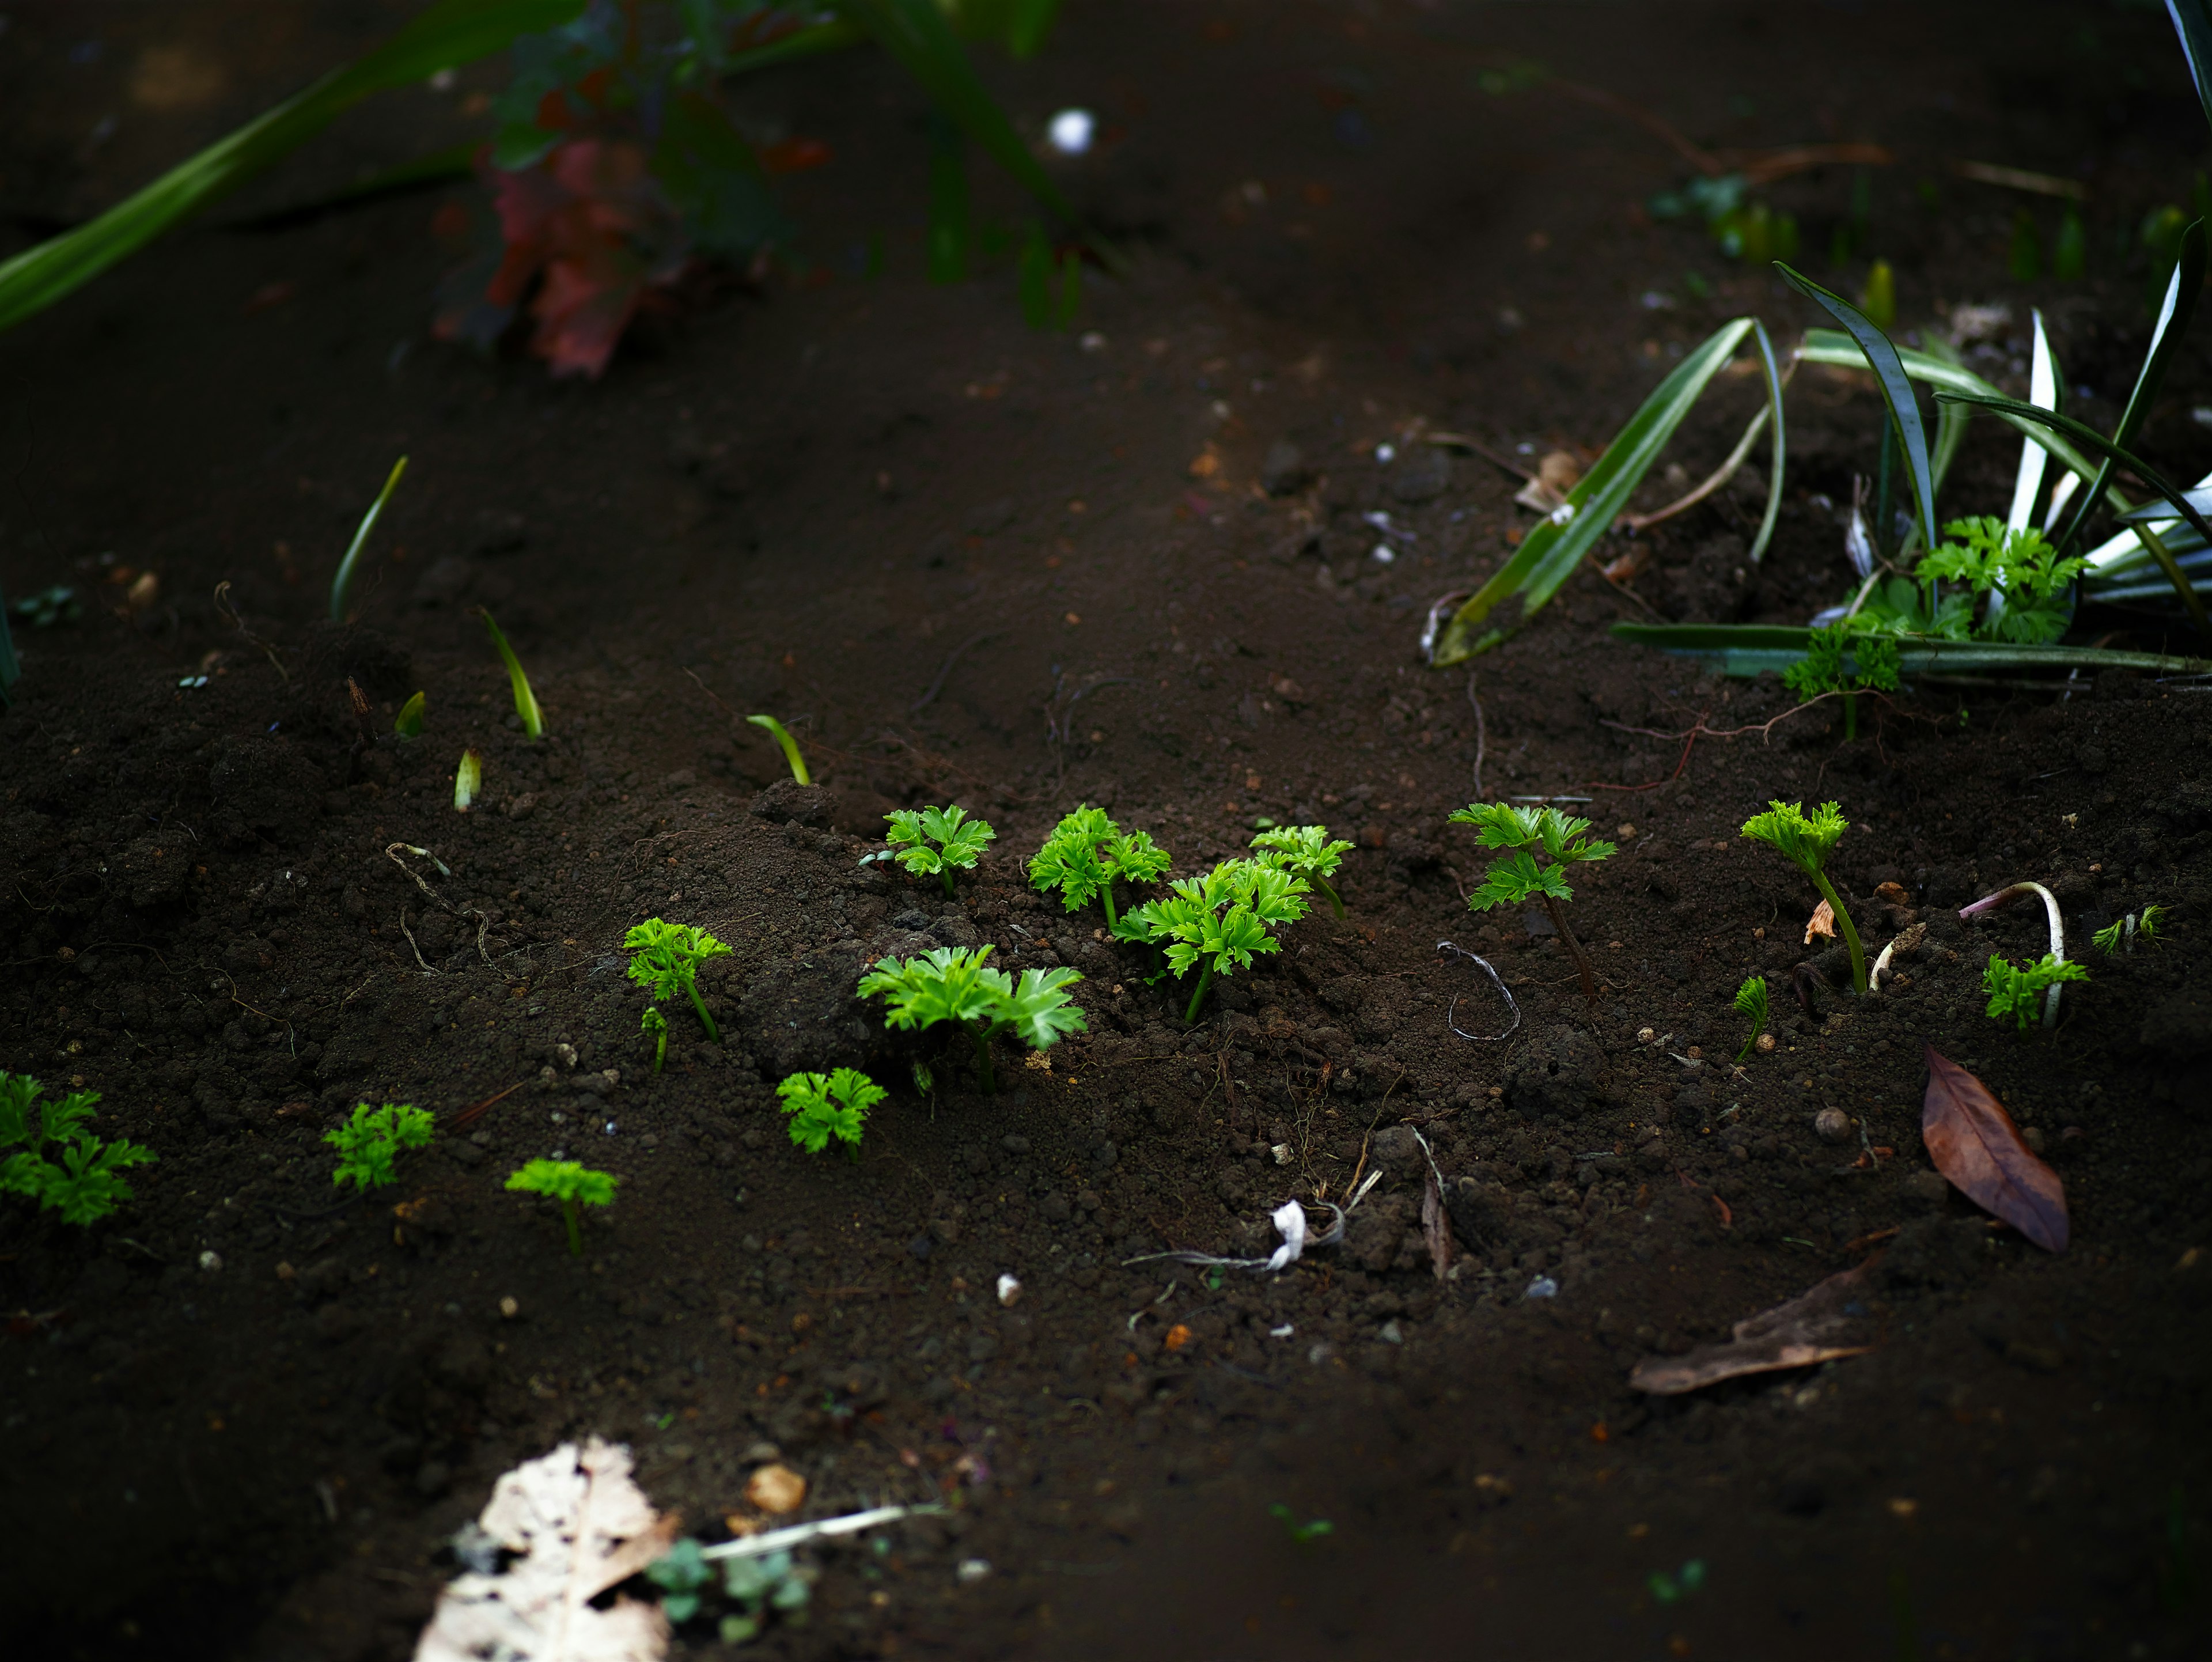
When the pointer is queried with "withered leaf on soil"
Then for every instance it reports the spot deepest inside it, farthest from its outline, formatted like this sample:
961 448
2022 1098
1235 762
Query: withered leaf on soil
580 1525
1435 1228
1831 1320
1976 1146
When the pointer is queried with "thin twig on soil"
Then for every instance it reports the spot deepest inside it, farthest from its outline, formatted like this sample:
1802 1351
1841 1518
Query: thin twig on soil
950 659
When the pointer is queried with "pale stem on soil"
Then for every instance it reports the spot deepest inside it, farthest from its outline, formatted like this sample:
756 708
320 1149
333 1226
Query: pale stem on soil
2005 897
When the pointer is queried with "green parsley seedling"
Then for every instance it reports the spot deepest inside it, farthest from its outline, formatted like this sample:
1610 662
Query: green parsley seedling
572 1184
84 1186
1874 665
2017 989
1751 1002
1805 842
1218 922
666 958
959 841
369 1143
1087 854
525 701
654 1025
826 1105
954 984
2024 580
1518 875
1305 851
782 734
2123 934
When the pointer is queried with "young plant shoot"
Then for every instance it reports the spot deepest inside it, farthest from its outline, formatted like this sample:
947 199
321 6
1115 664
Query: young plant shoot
369 1143
1751 1003
666 957
826 1105
1304 851
525 701
782 734
1528 834
1087 854
954 984
2121 935
654 1025
572 1184
468 781
2017 989
938 840
410 724
83 1186
1873 665
342 584
1218 922
1805 843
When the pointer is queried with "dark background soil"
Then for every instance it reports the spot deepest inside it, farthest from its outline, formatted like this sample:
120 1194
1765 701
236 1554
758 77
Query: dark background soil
973 562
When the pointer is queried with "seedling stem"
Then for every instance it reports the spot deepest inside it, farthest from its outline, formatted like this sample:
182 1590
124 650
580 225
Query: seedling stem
782 736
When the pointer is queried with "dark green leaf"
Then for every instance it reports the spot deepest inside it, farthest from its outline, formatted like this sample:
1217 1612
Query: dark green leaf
1781 445
2192 21
1746 650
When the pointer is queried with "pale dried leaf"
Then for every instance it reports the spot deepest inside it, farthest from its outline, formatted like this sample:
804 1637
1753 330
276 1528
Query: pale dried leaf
579 1524
1823 921
1832 1319
1436 1229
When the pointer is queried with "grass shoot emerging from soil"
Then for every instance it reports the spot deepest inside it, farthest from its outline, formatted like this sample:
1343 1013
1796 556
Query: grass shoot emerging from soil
468 781
83 1186
571 1183
1305 851
410 723
654 1025
1218 922
1751 1003
2015 989
370 1142
782 734
1518 875
938 841
954 984
1087 854
666 957
826 1105
1806 842
342 584
525 701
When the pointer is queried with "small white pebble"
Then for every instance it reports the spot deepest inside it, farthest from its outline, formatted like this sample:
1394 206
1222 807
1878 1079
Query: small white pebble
1093 342
1384 553
972 1569
509 1307
211 1262
1009 1290
1072 132
1386 453
1282 1332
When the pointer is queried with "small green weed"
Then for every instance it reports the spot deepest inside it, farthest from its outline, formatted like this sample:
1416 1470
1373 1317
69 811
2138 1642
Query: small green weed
2016 989
654 1025
84 1186
757 1584
342 584
525 701
1518 875
666 957
826 1105
1844 661
1805 842
1751 1003
572 1184
49 606
468 781
1673 1589
369 1144
410 722
1087 854
954 984
938 841
1217 922
1304 851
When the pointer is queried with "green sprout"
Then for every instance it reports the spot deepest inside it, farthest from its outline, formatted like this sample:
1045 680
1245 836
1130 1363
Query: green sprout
1218 922
468 780
56 605
83 1187
1087 854
758 1582
342 584
2123 934
1303 1533
1672 1589
2026 586
654 1025
369 1143
2015 989
954 984
1805 843
1751 1002
1305 851
1517 875
410 724
666 957
782 734
570 1183
826 1105
959 840
525 701
1873 661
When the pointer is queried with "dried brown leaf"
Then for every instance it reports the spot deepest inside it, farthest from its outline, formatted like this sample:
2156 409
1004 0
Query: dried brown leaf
1822 921
1976 1146
1832 1319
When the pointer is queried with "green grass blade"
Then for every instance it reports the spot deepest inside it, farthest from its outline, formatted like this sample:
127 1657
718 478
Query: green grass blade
452 32
782 736
2192 21
1549 554
1031 21
1747 648
342 584
410 724
1781 443
525 701
1896 390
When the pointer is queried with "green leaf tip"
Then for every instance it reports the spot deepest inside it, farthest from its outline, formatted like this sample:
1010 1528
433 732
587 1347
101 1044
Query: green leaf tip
342 584
525 701
782 734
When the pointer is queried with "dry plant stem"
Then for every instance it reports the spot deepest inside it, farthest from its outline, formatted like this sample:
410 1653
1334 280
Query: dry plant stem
1575 946
2005 897
1720 476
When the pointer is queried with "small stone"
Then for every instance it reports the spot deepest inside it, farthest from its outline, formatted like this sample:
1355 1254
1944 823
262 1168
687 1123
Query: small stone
211 1262
775 1488
1010 1291
1014 1143
1832 1125
972 1570
1392 1333
1766 1044
509 1307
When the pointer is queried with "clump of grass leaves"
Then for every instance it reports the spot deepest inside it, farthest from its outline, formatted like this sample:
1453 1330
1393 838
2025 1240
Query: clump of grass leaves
1806 841
571 1183
2017 990
370 1142
84 1185
826 1105
955 984
1087 854
1216 924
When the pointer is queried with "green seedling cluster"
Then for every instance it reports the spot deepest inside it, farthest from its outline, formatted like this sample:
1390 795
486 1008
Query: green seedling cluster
2121 935
1751 1004
572 1184
84 1185
525 701
782 734
666 957
1087 854
955 984
1805 842
654 1027
758 1583
1838 661
1540 844
938 842
2017 990
1304 851
369 1144
1217 922
826 1105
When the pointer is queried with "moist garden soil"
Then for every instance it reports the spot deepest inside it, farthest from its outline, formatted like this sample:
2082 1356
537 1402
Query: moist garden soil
1020 571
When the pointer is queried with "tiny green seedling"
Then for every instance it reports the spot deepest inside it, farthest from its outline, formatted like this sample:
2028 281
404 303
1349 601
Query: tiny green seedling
826 1105
1217 922
49 606
1306 1533
2016 989
1751 1003
1517 875
83 1186
525 701
410 724
758 1583
1873 664
666 958
955 984
1305 851
572 1184
1673 1589
342 584
654 1025
1805 842
2123 934
369 1144
468 781
938 840
2026 584
782 734
1087 854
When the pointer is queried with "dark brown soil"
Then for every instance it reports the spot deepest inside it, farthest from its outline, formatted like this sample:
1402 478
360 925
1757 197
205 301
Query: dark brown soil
976 563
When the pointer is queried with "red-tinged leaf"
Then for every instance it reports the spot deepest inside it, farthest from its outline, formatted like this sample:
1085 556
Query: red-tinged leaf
1976 1146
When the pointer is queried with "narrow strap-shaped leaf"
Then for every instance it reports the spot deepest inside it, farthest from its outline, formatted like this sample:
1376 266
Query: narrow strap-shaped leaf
2192 21
2043 394
1747 648
1549 554
1896 389
1781 443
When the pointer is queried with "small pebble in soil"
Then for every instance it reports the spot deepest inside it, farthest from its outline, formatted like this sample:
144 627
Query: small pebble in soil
1766 1045
775 1488
1645 1035
1543 1287
1010 1291
211 1262
1282 1332
1832 1125
509 1307
972 1569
